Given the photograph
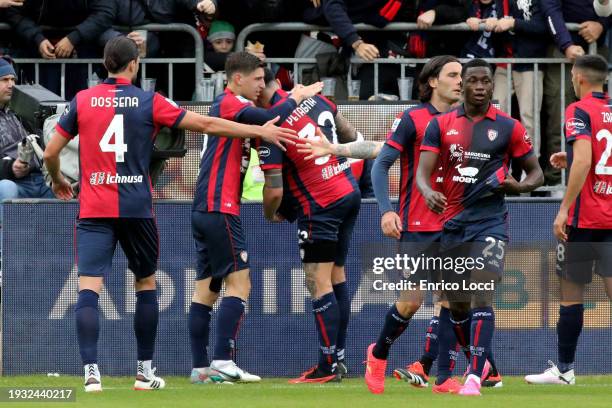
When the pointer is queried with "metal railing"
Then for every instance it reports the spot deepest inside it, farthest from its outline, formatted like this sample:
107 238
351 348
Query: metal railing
197 60
403 62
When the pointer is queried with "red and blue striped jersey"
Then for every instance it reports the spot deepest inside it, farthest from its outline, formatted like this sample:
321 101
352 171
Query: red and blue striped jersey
319 182
406 135
591 119
474 156
224 161
117 124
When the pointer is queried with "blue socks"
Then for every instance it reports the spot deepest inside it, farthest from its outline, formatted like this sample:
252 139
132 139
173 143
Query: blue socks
447 345
199 327
327 318
344 306
145 323
483 326
394 326
88 325
569 328
229 317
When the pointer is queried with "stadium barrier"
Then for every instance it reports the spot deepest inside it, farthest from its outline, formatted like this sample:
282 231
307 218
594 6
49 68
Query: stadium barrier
278 337
197 60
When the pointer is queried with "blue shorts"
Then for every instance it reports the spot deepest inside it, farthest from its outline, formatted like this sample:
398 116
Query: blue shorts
220 244
96 240
328 231
485 239
417 243
584 247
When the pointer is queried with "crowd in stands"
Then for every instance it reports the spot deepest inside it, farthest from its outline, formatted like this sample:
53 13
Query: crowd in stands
499 28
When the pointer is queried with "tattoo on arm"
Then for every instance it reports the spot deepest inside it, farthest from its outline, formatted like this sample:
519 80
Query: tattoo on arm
345 129
274 178
359 150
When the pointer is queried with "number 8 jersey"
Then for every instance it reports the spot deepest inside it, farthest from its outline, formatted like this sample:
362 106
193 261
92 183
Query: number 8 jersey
591 119
117 124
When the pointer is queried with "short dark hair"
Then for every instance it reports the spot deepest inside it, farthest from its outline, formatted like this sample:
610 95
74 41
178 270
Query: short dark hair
242 62
476 62
118 53
269 76
593 67
431 70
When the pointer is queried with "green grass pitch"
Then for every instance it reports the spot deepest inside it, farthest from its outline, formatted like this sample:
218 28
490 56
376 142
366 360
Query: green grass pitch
591 391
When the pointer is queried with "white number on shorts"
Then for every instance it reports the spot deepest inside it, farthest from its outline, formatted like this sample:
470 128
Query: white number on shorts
119 148
560 252
487 251
601 167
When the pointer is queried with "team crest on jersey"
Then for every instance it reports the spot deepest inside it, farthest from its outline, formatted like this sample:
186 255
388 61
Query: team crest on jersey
492 134
244 256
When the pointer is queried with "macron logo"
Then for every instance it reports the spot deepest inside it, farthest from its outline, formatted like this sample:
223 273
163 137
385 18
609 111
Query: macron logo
452 132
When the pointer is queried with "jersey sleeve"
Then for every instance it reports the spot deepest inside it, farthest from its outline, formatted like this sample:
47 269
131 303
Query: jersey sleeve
402 132
270 156
68 125
577 124
432 139
166 112
332 105
520 142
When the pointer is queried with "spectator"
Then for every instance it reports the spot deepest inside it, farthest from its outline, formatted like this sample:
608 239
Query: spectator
603 8
90 18
441 12
221 37
570 45
529 40
17 179
10 3
484 44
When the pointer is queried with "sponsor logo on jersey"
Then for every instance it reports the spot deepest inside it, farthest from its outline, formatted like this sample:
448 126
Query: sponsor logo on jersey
263 151
574 123
452 132
492 134
102 177
332 170
466 174
602 187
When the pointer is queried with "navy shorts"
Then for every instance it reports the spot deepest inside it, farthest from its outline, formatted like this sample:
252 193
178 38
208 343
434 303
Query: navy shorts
332 225
96 240
421 243
485 239
586 251
220 244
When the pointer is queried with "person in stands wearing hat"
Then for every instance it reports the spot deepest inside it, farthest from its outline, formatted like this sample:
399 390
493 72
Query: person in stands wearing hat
221 37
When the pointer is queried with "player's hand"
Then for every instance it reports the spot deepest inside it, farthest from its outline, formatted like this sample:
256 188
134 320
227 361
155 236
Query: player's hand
20 169
426 20
277 135
46 49
62 189
277 218
64 48
509 185
473 23
574 51
559 160
391 225
316 147
560 225
590 31
206 6
367 51
436 201
301 92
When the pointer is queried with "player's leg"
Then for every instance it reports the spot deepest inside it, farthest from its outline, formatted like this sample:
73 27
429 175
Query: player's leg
226 244
139 240
340 286
205 294
454 335
95 244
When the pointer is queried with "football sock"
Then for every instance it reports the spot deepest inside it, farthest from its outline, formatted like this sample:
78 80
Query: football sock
229 317
431 343
394 326
447 345
462 327
569 327
483 326
145 323
344 308
88 325
327 317
199 326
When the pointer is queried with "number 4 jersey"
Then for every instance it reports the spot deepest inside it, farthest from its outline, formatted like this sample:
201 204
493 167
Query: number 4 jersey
117 124
591 119
318 182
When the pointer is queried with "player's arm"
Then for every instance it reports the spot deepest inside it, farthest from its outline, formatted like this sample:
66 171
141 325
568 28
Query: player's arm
428 160
521 149
61 188
272 193
534 177
391 223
